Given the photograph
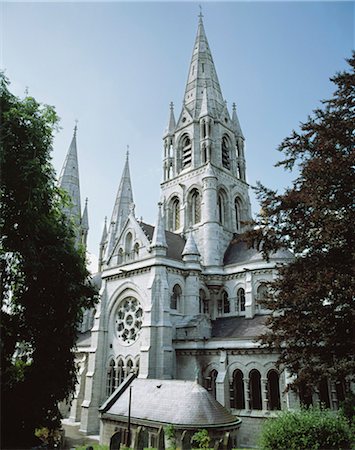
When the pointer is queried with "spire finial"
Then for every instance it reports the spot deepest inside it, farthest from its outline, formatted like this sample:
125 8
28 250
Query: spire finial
86 201
200 15
127 152
171 106
76 127
105 220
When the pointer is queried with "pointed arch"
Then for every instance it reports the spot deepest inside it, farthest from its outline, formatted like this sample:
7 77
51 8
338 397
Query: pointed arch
210 382
186 151
222 207
238 213
273 390
237 394
261 296
224 303
226 163
194 206
111 378
255 389
240 300
175 298
174 214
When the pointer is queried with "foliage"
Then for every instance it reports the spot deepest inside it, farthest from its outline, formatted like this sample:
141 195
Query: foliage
347 407
170 434
306 429
52 438
315 219
201 438
94 446
44 277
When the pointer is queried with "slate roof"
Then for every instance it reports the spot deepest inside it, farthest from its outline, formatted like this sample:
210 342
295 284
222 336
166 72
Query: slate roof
177 402
174 241
238 327
238 252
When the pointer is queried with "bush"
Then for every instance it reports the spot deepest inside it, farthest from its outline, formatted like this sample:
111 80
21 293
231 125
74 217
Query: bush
201 438
306 429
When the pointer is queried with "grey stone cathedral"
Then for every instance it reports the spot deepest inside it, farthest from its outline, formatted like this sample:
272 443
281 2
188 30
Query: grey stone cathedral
179 303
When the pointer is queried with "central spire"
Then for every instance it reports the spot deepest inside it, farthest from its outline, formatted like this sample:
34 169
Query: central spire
202 76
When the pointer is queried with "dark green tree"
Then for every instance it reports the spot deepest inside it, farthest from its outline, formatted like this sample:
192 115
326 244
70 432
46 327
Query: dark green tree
45 282
312 325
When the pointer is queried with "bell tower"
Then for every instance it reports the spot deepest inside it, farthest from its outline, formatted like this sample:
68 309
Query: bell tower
204 187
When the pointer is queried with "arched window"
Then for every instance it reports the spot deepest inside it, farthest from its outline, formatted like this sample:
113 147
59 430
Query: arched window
225 153
255 389
174 214
120 256
194 207
175 297
221 206
211 382
237 211
204 153
186 151
128 245
224 305
241 300
136 250
204 307
261 295
323 390
340 390
237 396
111 378
120 372
129 367
273 388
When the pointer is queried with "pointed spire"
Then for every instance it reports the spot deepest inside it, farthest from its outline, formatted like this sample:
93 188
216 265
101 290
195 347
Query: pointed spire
158 240
202 71
69 181
236 124
121 209
190 248
104 232
172 123
85 217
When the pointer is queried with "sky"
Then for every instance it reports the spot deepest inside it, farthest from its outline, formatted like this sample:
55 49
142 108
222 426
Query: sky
116 66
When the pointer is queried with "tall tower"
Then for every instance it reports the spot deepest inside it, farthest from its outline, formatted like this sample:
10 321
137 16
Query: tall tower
204 186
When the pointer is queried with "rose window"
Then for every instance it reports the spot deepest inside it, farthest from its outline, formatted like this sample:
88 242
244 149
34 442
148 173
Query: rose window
128 321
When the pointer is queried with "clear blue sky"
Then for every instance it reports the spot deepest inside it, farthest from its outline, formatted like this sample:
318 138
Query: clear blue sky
116 66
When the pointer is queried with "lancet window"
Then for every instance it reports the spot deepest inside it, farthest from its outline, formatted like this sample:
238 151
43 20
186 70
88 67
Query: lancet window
237 212
237 395
195 207
255 389
211 382
273 389
111 378
186 152
174 214
175 297
225 153
240 300
204 307
224 304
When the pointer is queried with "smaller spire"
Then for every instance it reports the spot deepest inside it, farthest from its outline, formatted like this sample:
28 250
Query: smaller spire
236 124
104 232
85 217
172 123
159 240
190 248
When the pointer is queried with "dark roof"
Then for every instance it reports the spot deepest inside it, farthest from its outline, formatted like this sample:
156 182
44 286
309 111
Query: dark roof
238 251
178 402
238 327
174 241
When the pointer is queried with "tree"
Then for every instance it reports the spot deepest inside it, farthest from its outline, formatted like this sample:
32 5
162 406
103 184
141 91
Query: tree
45 282
312 299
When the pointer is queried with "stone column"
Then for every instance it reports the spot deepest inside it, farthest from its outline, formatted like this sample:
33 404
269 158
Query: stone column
264 394
247 393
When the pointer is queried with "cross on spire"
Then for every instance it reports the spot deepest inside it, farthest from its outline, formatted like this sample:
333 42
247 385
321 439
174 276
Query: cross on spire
200 15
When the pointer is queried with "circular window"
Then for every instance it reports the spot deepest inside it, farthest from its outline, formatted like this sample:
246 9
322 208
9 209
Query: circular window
128 320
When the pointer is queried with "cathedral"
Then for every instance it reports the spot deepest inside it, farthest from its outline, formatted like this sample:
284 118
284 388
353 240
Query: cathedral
179 299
